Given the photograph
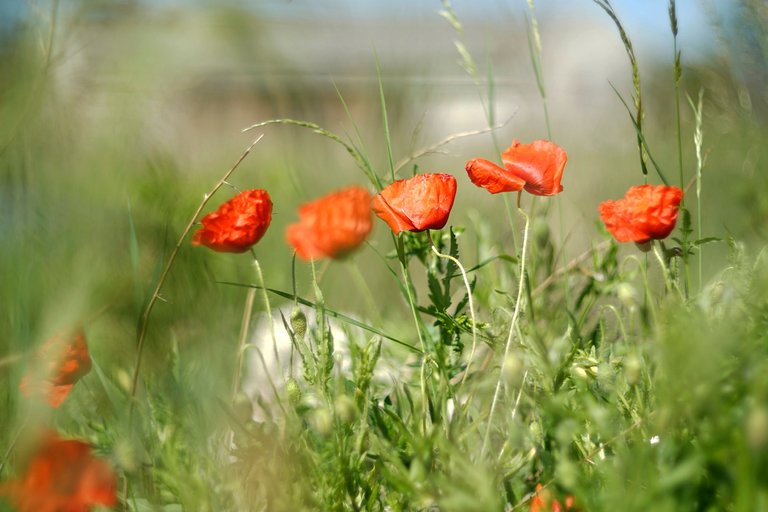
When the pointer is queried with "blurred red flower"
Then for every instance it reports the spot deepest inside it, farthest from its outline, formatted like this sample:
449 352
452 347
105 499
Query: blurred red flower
237 224
56 366
333 225
544 502
416 204
536 167
63 476
645 213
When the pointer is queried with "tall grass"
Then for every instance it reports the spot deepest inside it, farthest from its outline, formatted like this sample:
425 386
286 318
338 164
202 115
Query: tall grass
487 368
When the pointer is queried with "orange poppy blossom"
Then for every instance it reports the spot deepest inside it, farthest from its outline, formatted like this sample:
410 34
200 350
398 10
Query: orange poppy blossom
333 225
543 502
416 204
646 212
237 224
536 167
63 476
57 365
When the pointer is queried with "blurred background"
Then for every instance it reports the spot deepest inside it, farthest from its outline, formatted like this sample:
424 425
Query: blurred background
116 116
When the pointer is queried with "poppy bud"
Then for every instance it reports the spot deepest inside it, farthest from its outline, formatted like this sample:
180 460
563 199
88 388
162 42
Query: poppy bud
298 323
293 391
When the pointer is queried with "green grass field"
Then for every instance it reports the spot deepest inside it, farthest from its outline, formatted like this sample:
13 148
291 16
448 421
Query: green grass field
451 369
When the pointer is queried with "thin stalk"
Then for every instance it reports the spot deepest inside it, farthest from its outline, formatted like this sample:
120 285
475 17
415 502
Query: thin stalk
417 322
678 71
534 50
9 451
637 97
142 336
471 308
267 307
508 343
698 138
243 339
664 268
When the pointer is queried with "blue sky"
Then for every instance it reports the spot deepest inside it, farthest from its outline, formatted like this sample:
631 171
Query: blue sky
646 20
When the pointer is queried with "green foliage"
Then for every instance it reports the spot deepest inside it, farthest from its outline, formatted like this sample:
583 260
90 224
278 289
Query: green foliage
607 377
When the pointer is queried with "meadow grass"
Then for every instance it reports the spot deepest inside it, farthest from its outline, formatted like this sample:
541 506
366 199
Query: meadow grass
454 369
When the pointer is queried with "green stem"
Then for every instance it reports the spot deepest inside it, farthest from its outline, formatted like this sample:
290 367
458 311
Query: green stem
142 336
471 308
267 307
417 321
510 334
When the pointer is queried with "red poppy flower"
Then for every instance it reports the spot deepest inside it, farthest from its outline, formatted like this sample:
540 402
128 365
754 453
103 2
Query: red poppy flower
419 203
544 502
536 167
237 224
646 213
63 476
333 225
57 365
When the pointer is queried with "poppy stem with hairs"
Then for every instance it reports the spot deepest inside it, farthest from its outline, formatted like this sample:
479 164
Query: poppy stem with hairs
243 336
142 335
510 334
267 306
471 306
410 293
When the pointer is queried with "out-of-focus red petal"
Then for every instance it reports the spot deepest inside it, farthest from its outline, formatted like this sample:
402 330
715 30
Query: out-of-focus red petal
237 224
540 164
493 178
417 204
645 213
63 476
333 225
57 365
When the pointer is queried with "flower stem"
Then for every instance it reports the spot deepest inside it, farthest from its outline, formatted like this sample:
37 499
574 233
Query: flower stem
471 308
510 335
243 340
267 307
142 336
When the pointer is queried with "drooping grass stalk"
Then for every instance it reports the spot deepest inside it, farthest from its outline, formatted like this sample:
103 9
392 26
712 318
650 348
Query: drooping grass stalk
637 97
470 67
698 139
142 335
361 162
335 314
433 148
510 334
534 50
471 307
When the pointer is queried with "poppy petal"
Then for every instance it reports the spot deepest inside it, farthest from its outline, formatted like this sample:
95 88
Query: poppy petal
493 178
539 163
333 225
645 213
417 204
237 224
